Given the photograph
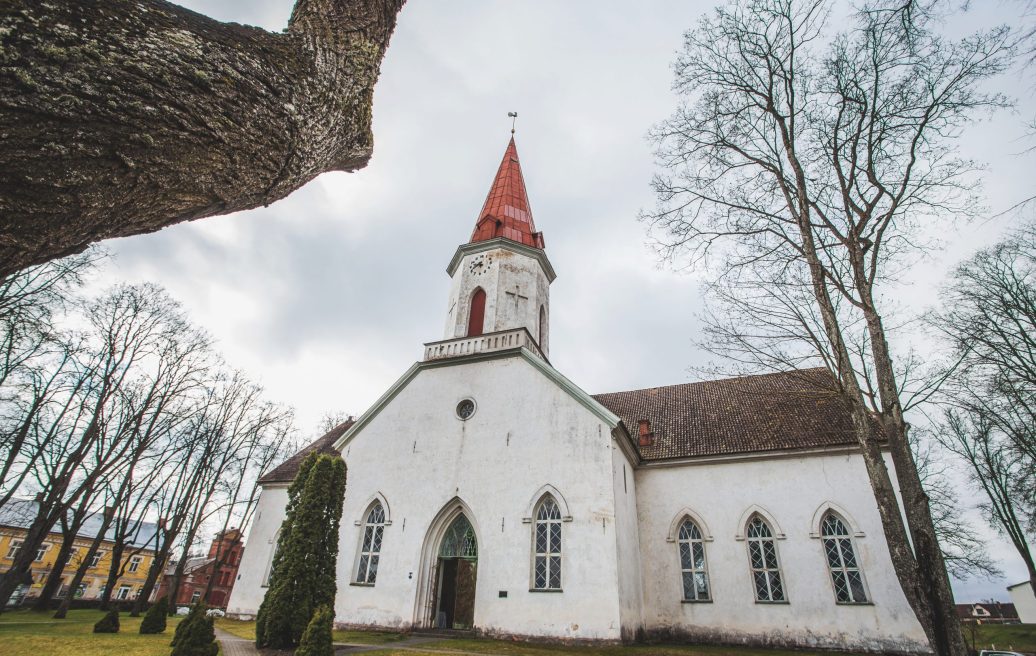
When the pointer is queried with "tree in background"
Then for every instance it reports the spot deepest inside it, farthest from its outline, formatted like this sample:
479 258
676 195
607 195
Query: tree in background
963 549
133 420
801 167
302 577
989 319
121 118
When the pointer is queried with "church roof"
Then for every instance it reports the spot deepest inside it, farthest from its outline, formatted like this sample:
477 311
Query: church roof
285 472
797 409
506 212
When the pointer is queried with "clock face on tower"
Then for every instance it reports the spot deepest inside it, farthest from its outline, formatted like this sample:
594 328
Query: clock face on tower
480 264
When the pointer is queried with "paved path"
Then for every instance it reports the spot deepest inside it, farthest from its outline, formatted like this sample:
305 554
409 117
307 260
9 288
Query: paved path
235 646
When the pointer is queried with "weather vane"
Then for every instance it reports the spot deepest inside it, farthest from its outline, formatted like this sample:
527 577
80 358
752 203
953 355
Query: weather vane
514 117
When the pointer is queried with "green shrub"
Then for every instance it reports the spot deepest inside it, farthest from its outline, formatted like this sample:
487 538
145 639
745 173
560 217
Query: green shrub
154 620
109 623
302 577
195 636
184 625
317 641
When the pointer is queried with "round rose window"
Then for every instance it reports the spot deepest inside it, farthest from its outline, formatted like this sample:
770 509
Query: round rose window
465 408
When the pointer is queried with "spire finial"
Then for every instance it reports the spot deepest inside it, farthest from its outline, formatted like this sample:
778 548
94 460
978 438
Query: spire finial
514 117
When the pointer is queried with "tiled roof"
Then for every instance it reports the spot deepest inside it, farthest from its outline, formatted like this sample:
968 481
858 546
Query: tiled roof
19 513
771 412
285 472
506 212
995 610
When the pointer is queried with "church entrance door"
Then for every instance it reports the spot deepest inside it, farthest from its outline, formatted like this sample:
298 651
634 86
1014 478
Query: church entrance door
456 574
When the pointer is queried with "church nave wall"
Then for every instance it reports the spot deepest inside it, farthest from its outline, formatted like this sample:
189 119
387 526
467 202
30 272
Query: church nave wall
790 495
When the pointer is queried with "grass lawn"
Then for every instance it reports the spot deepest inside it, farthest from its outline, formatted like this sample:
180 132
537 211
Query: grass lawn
27 633
247 630
529 649
1013 637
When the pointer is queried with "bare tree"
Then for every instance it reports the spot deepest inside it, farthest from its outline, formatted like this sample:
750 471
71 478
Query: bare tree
997 472
808 159
35 358
125 116
332 419
963 548
267 441
129 326
989 320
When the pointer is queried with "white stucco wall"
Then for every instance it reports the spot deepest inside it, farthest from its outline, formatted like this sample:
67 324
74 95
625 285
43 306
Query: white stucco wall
627 543
505 271
790 490
527 432
1024 602
249 588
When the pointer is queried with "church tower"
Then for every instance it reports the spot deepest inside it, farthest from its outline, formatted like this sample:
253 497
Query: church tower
501 277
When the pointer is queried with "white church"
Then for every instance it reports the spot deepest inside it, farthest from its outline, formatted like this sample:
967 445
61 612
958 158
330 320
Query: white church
488 492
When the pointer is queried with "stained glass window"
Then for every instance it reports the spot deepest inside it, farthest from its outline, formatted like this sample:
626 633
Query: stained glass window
692 562
459 541
370 549
762 557
841 560
546 571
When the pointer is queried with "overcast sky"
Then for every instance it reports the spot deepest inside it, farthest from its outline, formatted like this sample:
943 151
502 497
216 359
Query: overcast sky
327 296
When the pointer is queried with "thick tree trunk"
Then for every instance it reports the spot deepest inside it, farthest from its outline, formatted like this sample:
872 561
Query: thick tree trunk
80 574
53 584
22 564
121 117
113 574
932 580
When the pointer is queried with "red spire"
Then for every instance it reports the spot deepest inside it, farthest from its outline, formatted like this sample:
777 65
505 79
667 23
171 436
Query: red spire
506 212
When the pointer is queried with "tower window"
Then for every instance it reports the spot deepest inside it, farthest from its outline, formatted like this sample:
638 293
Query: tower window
477 313
543 327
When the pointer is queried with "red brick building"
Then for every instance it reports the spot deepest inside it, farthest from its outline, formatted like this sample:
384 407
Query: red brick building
221 562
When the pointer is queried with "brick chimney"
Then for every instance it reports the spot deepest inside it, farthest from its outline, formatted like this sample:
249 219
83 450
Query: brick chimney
645 437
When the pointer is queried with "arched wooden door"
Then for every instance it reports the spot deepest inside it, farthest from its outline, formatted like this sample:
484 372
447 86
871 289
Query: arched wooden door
456 575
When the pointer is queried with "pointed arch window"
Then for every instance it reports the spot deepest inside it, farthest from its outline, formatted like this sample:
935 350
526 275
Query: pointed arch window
546 569
477 313
692 562
764 562
841 560
370 548
273 557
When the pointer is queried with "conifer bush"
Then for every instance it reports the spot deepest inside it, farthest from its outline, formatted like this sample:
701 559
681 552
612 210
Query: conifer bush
195 636
154 619
184 625
317 640
109 623
302 577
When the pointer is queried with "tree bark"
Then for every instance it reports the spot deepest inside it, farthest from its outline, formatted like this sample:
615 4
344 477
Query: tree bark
84 565
121 117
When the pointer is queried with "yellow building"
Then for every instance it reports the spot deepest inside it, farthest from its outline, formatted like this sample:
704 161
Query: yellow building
137 557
